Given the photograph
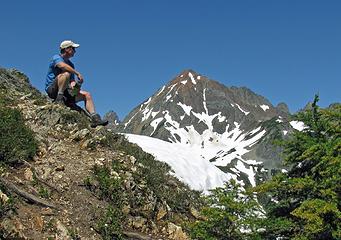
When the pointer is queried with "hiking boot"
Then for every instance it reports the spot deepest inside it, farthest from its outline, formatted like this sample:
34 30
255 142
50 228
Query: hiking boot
97 121
60 100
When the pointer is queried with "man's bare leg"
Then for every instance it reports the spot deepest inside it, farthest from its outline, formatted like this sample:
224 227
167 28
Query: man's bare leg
63 80
88 101
90 107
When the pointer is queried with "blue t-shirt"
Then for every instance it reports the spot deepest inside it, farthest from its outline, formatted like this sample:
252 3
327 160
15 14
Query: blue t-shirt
54 71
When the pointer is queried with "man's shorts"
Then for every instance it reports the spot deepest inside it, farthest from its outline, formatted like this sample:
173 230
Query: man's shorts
52 90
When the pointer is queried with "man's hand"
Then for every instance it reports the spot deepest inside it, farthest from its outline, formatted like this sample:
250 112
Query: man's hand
80 77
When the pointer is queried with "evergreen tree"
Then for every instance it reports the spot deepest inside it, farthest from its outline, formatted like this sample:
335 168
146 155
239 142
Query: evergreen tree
230 213
305 201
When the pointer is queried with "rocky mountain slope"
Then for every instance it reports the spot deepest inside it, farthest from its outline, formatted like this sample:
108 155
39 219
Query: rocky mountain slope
233 128
112 118
84 183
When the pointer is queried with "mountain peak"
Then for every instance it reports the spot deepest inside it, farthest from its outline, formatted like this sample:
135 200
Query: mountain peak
187 75
221 123
188 71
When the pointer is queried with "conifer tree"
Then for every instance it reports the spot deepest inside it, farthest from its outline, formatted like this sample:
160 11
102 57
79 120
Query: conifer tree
305 201
231 213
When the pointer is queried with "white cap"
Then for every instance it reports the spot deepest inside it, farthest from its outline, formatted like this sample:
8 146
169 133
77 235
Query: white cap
68 43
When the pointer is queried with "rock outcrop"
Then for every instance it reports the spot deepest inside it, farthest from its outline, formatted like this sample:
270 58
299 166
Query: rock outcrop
112 118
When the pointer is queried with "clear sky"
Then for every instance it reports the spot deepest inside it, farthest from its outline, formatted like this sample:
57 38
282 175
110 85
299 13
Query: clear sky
284 50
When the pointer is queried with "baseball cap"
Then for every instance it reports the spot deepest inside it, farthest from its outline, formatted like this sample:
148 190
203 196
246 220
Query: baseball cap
68 43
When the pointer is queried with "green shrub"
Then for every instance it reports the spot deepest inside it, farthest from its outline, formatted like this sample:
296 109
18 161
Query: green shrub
109 188
17 141
73 233
110 225
44 193
230 213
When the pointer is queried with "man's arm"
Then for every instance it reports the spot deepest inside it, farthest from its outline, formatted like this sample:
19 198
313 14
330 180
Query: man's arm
68 68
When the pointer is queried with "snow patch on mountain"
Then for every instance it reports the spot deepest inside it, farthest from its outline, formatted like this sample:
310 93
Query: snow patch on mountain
220 149
147 102
186 162
241 167
265 107
245 112
279 120
163 88
191 163
192 78
206 118
126 124
171 88
155 123
298 125
221 118
187 109
204 97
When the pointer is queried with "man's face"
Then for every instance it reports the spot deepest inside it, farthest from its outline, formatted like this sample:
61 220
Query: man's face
70 51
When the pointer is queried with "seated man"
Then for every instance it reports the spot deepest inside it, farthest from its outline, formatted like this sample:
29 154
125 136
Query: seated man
61 83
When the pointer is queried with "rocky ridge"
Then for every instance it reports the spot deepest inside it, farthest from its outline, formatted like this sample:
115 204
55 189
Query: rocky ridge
60 174
189 94
112 118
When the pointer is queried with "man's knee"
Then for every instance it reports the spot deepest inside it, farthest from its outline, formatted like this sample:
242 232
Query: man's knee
87 95
84 96
64 75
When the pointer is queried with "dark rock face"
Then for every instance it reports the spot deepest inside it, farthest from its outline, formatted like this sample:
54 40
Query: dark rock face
112 118
192 109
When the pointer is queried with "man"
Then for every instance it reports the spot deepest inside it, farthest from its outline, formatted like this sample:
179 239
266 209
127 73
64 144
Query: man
60 81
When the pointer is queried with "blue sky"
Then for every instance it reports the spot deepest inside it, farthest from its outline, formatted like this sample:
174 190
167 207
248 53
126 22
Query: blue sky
284 50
